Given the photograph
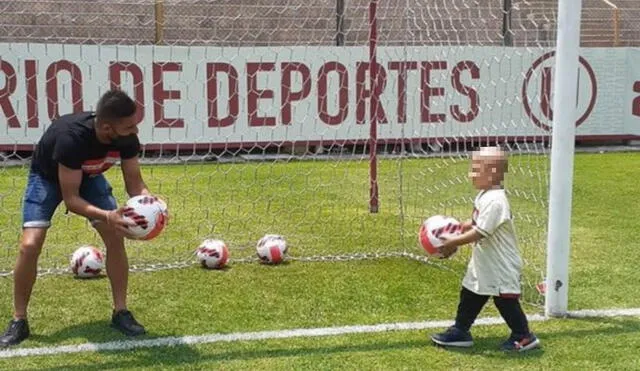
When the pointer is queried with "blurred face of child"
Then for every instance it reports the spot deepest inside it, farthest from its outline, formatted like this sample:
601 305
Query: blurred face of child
486 170
479 174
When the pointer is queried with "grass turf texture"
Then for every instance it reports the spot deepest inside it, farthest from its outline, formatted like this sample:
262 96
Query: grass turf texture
568 345
252 297
321 207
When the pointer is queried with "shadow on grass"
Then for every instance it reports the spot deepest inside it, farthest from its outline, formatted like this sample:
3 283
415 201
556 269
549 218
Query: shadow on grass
94 332
484 347
487 346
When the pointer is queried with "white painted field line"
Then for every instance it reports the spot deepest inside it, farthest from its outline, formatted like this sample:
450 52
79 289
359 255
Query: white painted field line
283 334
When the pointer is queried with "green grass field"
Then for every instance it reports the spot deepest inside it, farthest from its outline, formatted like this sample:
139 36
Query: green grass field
321 207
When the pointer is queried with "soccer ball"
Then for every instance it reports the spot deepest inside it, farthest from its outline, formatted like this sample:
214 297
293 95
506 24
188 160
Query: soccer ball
213 254
272 249
87 262
154 211
163 206
432 229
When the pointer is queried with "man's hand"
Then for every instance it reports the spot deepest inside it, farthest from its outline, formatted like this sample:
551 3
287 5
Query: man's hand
115 218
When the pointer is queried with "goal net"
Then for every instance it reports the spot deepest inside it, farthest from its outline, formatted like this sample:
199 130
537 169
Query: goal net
340 124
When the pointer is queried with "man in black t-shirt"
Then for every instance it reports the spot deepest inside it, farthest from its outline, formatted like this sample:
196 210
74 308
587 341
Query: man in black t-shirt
67 166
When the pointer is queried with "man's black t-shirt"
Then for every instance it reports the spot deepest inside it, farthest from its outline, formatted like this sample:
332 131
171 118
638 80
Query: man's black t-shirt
71 141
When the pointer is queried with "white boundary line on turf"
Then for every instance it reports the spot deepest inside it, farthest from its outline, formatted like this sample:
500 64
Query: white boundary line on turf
284 334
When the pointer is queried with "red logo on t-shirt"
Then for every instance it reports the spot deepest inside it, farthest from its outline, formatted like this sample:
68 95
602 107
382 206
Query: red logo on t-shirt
474 215
100 165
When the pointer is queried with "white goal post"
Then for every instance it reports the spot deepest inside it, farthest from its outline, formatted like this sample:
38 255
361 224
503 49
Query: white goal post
562 152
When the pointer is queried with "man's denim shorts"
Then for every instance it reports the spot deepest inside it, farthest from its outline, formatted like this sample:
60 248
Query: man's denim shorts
42 197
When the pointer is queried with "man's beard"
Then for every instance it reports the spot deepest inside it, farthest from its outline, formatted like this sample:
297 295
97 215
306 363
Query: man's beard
121 139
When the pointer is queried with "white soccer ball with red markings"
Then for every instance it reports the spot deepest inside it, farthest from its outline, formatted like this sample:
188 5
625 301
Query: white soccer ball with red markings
163 207
272 249
213 254
87 262
432 229
154 212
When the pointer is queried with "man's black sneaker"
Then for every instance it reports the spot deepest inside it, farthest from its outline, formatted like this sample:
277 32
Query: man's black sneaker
17 331
124 322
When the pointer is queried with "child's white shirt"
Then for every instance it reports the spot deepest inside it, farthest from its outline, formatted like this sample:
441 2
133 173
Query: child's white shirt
495 265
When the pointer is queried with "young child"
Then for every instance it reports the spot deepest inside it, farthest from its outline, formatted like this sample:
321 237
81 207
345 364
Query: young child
495 266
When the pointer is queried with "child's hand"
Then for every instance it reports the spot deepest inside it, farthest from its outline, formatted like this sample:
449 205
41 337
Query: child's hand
448 248
447 251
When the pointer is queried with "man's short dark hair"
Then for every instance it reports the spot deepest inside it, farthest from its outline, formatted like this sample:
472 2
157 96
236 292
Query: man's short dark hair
114 105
